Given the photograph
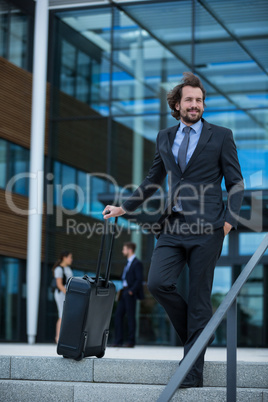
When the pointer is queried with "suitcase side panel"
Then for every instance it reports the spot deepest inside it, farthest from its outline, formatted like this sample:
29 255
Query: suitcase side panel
72 334
98 319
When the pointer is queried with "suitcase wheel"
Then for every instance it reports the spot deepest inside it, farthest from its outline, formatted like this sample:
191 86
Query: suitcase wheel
100 355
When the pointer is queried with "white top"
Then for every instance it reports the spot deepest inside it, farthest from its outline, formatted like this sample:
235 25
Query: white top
58 273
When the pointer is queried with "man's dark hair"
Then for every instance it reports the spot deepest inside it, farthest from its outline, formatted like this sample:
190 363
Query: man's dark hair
174 96
130 245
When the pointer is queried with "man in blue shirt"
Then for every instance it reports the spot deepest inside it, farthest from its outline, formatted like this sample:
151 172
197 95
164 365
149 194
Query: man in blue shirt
196 155
132 289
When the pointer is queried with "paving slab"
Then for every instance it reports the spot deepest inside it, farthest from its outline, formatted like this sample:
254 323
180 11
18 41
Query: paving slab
150 393
46 391
254 375
5 366
32 391
51 368
249 374
133 371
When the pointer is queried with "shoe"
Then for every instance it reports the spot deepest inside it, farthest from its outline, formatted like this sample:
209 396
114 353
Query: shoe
128 345
190 381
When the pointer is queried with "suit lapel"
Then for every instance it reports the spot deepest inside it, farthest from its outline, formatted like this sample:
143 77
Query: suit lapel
172 134
171 137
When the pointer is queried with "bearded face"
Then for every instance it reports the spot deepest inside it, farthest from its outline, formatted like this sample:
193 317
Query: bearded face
191 106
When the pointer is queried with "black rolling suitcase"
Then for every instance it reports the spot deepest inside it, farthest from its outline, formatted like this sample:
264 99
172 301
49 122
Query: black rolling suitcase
87 311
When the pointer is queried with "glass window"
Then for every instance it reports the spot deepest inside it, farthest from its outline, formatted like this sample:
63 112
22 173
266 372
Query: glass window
84 67
170 22
64 185
91 187
249 242
143 68
4 8
95 84
57 182
97 186
83 77
155 326
9 286
19 164
225 246
221 285
68 194
251 309
254 163
222 280
234 71
82 182
68 68
14 35
3 163
18 39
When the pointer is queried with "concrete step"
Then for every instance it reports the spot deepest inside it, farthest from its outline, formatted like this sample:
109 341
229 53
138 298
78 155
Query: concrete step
50 391
123 371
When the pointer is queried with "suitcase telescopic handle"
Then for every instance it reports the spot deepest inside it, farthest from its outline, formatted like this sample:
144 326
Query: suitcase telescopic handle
108 265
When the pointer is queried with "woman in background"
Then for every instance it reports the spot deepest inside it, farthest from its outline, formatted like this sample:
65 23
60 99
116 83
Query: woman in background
62 272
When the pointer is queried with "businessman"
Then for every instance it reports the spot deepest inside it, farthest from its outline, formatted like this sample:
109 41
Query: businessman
132 290
196 155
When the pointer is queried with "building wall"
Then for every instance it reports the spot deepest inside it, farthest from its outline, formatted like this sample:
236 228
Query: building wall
81 145
110 70
15 127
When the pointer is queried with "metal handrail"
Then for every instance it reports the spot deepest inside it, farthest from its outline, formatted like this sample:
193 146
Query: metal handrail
228 306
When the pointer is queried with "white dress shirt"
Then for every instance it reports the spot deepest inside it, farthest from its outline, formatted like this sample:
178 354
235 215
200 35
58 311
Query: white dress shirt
129 262
194 138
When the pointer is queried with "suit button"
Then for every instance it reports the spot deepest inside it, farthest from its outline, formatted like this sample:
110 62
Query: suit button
182 178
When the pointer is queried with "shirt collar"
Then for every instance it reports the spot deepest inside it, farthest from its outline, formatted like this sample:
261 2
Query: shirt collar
130 259
196 126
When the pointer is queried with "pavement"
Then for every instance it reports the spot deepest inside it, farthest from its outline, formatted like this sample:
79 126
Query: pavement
139 352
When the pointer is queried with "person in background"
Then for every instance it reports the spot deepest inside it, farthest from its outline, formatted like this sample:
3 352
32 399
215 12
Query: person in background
62 272
132 290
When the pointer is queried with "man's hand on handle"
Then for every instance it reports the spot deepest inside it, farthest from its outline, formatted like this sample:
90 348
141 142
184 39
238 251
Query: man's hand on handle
113 211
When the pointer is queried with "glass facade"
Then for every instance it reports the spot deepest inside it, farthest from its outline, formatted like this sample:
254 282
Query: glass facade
16 30
140 52
14 161
12 299
111 69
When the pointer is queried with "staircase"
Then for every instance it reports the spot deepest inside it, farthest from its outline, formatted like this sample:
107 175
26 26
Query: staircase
51 379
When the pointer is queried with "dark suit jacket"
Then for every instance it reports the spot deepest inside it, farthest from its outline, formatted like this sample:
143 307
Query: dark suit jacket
134 278
199 186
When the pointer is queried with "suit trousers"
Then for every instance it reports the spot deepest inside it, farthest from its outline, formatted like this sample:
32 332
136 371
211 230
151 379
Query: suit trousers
172 252
126 306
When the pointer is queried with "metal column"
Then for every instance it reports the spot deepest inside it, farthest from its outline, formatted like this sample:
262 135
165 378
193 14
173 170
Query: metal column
36 166
231 352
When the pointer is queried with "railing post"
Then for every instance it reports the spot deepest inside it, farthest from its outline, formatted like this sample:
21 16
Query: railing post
231 352
228 305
